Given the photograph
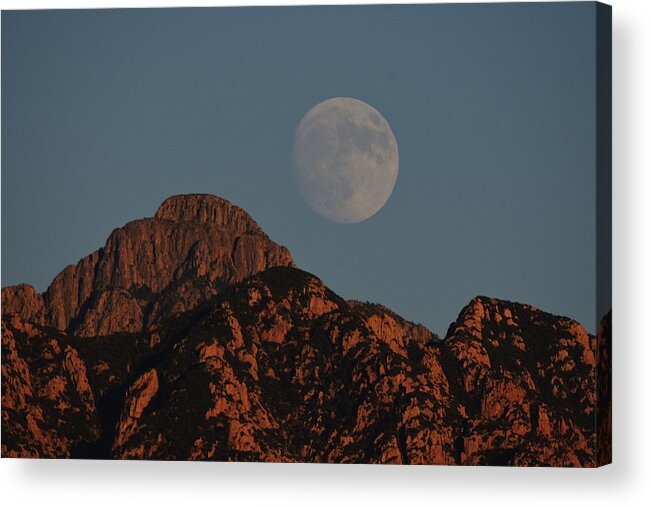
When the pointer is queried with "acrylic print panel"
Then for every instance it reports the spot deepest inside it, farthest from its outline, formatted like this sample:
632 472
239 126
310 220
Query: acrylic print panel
374 234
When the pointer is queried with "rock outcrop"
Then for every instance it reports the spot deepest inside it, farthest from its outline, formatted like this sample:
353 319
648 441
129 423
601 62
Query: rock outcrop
191 336
24 301
526 382
151 268
279 368
283 369
48 406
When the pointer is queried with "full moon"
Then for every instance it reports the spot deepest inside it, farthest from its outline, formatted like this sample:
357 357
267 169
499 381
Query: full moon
345 160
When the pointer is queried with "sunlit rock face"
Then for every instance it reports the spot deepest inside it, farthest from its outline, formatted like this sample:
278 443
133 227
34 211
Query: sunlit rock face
285 370
279 368
48 405
526 380
151 268
23 300
222 350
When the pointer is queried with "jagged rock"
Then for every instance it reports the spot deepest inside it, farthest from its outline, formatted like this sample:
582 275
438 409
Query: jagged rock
152 268
279 368
47 403
24 301
338 389
224 351
527 385
138 397
331 386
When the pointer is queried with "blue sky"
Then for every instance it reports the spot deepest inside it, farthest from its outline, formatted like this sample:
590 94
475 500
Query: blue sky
105 113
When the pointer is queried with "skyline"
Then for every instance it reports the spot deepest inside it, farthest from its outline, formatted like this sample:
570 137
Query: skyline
107 113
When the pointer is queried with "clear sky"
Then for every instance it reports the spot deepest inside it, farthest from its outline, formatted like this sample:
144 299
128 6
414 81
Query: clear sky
105 113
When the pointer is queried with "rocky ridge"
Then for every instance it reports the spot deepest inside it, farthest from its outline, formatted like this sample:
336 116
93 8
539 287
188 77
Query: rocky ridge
270 365
192 247
48 406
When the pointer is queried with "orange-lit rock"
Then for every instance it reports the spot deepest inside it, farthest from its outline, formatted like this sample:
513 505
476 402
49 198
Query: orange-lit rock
222 350
47 405
24 301
168 264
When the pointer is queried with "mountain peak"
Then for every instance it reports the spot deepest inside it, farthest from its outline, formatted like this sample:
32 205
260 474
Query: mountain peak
23 300
205 209
259 353
193 246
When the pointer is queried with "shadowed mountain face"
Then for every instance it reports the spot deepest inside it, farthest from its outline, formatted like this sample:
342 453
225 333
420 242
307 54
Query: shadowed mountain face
192 336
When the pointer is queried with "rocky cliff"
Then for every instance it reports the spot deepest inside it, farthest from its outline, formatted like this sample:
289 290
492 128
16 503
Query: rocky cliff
238 355
526 382
48 406
192 247
24 301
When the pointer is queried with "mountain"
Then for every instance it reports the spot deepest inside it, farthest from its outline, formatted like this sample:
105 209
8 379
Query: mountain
192 247
235 354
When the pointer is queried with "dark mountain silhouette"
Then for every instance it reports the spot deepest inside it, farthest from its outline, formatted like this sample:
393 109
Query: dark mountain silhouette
191 335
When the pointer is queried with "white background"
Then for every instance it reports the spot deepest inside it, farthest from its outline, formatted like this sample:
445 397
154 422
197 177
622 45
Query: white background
626 482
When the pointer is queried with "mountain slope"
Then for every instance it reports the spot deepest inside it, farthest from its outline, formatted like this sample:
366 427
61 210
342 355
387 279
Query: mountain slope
48 405
264 363
194 245
279 368
526 381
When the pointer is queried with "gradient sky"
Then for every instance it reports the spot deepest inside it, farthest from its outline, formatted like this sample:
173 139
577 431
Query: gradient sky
105 113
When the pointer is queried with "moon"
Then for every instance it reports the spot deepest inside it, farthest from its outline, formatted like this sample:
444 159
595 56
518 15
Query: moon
345 160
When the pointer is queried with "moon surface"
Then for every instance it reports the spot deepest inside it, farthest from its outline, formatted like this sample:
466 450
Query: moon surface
345 159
